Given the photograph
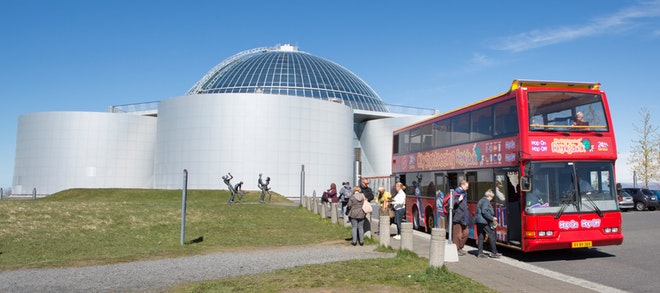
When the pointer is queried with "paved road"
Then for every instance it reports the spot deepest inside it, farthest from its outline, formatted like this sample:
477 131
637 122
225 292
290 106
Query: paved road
633 266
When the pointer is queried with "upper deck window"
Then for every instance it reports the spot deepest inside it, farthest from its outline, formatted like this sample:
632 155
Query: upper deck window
566 111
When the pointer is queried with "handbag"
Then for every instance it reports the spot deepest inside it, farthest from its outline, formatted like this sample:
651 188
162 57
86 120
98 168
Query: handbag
366 207
390 211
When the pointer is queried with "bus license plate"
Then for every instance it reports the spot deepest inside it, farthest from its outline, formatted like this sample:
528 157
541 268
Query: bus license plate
581 244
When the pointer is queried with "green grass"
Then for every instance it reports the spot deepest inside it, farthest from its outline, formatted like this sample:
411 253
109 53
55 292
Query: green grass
83 227
405 273
100 226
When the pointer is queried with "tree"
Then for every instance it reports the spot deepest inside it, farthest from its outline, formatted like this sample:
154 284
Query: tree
644 153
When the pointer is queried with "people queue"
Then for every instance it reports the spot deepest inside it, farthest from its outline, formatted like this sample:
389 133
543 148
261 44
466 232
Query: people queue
353 199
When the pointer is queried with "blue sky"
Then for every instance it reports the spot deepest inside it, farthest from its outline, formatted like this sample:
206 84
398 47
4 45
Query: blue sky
89 55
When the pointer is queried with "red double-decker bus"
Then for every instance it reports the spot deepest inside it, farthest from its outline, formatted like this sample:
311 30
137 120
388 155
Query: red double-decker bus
545 148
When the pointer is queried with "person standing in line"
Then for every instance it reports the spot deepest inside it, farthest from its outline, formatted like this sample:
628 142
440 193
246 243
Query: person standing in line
369 195
486 220
344 194
366 190
332 193
357 216
384 198
399 203
460 217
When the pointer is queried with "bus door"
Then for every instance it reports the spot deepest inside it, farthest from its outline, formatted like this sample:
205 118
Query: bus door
507 208
452 181
440 181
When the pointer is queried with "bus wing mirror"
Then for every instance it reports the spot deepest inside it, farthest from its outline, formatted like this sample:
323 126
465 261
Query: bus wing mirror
525 184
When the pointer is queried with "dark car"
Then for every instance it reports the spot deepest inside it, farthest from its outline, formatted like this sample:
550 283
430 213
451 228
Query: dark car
626 201
643 198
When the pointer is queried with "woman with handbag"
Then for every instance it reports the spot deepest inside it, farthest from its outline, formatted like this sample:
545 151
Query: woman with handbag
486 224
357 215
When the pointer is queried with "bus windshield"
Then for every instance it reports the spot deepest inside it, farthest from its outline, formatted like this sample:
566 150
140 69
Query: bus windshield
569 187
566 111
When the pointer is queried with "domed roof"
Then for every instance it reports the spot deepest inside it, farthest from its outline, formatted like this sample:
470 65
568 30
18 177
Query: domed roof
284 70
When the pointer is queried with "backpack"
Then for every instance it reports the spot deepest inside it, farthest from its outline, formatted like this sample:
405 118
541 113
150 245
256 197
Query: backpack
445 204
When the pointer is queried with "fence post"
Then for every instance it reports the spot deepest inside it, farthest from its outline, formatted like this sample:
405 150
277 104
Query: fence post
333 213
407 236
315 207
437 248
302 182
34 193
183 205
384 230
324 210
367 225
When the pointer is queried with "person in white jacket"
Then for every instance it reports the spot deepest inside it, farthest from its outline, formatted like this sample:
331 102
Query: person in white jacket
399 203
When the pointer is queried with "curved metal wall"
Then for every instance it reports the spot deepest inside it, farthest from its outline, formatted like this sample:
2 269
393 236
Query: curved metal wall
376 143
61 150
246 134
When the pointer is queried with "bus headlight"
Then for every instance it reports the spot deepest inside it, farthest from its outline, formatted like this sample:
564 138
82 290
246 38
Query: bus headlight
533 234
611 230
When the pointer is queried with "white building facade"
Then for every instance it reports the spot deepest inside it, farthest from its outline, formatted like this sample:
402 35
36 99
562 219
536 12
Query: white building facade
263 111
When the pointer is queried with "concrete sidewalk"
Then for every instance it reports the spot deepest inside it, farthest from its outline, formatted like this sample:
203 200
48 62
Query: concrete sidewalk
503 274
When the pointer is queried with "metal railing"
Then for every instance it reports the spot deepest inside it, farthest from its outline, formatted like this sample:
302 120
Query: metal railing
153 106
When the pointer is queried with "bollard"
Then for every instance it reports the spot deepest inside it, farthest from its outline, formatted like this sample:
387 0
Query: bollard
315 206
347 222
451 251
324 210
407 236
34 193
437 248
303 201
384 230
333 213
367 226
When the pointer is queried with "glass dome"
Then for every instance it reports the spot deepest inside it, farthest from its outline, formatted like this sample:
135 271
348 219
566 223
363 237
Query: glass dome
284 70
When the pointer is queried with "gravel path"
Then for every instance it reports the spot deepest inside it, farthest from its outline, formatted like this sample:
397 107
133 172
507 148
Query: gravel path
162 273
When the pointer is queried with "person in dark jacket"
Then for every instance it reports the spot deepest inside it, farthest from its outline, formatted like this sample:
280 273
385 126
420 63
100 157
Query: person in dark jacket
366 190
460 217
357 215
485 218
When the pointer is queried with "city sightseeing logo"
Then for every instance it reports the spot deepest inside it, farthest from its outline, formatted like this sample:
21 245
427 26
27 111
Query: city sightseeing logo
573 224
571 145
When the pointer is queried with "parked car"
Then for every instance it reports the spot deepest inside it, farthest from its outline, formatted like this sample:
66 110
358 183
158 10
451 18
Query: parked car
643 198
626 201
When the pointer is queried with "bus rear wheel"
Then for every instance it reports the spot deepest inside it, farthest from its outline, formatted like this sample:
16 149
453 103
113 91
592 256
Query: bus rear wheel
430 223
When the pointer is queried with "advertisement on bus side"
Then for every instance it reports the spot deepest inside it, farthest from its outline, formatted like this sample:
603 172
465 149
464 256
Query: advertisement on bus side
549 147
483 154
